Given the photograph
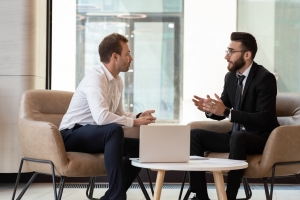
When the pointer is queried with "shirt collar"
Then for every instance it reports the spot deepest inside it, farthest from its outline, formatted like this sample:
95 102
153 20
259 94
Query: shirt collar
107 72
246 72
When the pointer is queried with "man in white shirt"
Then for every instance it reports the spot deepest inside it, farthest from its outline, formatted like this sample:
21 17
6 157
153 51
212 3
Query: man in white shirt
93 122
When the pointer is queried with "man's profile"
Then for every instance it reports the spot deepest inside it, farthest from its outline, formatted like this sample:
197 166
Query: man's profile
93 122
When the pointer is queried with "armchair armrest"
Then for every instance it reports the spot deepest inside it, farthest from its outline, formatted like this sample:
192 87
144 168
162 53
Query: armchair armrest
282 146
42 140
131 132
217 126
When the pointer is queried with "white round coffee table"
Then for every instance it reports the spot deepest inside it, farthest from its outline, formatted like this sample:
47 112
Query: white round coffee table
214 165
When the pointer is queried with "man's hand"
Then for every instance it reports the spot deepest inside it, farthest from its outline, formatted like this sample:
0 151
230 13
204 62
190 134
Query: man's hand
216 107
145 120
198 101
147 113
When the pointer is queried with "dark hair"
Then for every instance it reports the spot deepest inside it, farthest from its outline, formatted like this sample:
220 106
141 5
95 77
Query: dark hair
109 45
248 41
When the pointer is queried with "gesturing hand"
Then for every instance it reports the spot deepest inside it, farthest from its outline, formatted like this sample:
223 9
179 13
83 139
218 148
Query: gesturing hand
216 107
198 101
147 113
145 120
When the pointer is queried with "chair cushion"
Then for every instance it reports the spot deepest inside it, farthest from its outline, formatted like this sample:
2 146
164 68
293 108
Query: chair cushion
253 170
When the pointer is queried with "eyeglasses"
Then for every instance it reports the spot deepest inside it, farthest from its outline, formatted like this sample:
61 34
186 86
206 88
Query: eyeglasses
230 52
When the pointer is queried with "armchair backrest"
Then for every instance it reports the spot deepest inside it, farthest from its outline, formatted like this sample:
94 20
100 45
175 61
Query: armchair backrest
40 114
288 108
45 105
283 143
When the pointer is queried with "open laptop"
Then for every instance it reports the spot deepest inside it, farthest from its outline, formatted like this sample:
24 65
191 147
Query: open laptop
164 143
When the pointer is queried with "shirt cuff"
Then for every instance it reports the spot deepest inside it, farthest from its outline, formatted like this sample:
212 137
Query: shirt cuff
129 121
208 114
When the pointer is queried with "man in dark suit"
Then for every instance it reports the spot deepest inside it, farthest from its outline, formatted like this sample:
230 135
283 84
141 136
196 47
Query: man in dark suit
248 100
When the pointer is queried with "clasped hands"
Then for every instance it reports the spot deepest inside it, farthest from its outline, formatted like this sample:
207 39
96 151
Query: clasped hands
209 105
145 118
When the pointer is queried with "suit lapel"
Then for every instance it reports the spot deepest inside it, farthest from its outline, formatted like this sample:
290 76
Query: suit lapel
249 79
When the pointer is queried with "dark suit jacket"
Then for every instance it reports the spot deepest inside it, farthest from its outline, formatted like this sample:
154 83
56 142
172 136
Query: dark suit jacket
258 106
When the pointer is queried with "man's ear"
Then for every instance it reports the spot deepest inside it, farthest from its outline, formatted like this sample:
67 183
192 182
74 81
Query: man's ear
114 57
247 55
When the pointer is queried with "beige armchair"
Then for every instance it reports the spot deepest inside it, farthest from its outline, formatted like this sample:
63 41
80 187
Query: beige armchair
40 114
281 156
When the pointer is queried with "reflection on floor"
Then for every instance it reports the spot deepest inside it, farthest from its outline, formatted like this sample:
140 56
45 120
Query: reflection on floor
43 191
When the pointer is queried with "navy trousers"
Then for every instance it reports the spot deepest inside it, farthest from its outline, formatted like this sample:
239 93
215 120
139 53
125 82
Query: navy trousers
108 139
239 144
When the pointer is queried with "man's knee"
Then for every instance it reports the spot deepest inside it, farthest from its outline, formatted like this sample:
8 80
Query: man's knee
198 134
238 146
238 136
116 130
197 141
193 133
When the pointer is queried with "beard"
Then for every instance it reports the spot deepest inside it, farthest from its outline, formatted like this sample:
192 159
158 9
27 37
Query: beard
124 66
238 64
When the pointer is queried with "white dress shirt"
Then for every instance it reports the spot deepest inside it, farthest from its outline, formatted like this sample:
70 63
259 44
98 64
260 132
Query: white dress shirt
97 101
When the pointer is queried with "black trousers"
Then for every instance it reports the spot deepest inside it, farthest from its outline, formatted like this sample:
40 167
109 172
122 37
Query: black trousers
108 139
239 144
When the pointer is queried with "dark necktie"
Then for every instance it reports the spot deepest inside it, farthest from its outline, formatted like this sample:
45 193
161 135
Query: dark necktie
238 99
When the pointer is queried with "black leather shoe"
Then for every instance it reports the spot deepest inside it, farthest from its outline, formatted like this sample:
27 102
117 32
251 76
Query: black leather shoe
196 198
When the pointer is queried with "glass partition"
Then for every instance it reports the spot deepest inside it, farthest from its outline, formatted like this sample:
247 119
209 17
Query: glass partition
155 32
153 29
276 25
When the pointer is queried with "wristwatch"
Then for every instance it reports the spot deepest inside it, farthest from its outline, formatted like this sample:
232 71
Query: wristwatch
138 115
226 112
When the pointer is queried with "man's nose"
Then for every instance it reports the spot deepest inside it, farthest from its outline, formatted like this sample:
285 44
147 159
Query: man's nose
226 56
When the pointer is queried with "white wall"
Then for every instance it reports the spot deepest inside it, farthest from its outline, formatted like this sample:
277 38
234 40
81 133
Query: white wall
23 66
207 28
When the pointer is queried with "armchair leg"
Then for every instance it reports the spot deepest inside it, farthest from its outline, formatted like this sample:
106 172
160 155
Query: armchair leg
247 189
150 182
18 179
90 188
61 186
265 180
182 185
33 177
143 187
187 194
269 195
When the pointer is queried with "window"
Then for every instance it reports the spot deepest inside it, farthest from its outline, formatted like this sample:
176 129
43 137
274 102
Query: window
154 31
276 26
178 48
